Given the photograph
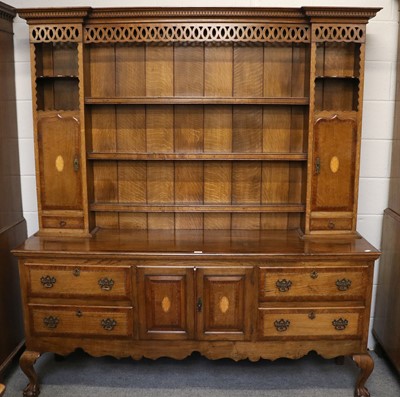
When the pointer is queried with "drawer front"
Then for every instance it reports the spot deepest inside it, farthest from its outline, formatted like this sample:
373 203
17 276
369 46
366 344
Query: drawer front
309 323
313 283
62 222
80 321
79 281
331 224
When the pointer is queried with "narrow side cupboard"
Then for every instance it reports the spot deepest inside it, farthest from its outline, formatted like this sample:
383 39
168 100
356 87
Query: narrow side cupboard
197 174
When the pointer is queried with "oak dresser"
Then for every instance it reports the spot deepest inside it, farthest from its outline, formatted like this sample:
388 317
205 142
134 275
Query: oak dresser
197 178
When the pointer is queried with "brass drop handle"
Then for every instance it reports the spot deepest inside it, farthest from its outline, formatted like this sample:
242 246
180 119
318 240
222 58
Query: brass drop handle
199 305
311 315
79 313
48 281
51 322
76 164
108 324
106 283
331 225
282 325
340 324
283 285
343 285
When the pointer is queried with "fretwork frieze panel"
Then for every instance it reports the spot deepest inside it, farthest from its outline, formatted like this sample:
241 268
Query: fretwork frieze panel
252 33
339 33
55 33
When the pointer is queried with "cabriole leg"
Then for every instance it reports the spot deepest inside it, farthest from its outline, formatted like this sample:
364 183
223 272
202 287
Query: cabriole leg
26 363
366 365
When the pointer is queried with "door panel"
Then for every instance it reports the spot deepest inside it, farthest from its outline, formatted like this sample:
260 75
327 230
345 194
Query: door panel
166 308
60 174
224 303
335 142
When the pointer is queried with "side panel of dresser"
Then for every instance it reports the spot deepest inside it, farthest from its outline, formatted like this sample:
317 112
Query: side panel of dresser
12 223
387 313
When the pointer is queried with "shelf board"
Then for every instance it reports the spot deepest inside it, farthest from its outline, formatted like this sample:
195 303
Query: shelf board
248 208
337 77
56 77
201 100
200 156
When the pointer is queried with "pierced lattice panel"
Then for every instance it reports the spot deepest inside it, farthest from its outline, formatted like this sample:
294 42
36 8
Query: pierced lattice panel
55 33
339 33
197 33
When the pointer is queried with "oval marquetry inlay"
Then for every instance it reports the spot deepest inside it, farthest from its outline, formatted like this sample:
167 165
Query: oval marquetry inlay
59 163
334 165
166 304
224 304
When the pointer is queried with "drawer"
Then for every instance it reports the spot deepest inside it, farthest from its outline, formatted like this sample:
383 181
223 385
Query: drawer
313 283
79 281
62 222
309 323
80 321
331 224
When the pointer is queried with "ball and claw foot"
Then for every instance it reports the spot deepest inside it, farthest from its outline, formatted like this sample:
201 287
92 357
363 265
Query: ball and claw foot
366 365
26 363
31 390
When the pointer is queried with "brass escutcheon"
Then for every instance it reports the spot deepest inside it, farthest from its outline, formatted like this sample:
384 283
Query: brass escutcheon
76 272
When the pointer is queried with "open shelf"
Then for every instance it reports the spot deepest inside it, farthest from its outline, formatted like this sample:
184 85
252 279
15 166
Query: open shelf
128 207
199 156
196 100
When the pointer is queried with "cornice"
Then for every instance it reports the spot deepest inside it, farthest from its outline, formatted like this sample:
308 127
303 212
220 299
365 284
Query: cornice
36 15
80 14
194 12
7 12
341 12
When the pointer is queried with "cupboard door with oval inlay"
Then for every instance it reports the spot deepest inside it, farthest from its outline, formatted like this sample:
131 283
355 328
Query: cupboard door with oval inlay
334 170
59 163
224 303
166 304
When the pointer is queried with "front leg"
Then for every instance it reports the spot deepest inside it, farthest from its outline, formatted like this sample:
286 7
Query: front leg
366 364
26 363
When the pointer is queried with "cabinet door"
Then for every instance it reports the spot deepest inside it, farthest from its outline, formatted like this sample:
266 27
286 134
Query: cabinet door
224 310
60 175
166 304
335 144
